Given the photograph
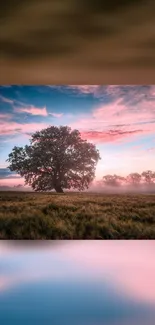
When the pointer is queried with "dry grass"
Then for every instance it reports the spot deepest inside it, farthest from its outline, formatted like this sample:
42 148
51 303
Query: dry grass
76 216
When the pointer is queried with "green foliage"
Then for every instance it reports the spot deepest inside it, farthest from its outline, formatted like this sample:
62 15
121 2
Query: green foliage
76 216
56 158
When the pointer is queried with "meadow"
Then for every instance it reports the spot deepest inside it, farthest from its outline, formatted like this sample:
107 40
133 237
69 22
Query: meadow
28 215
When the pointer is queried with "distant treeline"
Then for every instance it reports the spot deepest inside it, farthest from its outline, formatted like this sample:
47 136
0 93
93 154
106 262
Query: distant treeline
147 178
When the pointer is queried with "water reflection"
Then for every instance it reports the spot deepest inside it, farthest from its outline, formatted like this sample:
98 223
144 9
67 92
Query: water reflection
77 283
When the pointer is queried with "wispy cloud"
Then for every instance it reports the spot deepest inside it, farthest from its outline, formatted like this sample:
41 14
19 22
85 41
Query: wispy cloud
20 107
5 116
120 116
7 128
32 110
108 136
128 92
6 100
115 120
5 173
85 89
6 86
58 115
11 182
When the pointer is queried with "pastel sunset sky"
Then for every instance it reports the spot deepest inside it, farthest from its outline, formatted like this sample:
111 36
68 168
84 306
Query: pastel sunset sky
120 120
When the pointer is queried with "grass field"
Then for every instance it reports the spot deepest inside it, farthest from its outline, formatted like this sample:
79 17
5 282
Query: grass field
76 216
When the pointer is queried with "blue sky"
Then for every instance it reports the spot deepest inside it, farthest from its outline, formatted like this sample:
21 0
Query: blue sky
120 120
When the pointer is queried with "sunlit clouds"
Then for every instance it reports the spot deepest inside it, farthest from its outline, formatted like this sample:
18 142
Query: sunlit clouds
32 110
120 120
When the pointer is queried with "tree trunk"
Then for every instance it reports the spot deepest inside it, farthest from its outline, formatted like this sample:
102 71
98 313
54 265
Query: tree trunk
58 189
57 184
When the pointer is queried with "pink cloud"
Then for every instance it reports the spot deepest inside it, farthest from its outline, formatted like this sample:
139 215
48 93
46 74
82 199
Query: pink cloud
12 181
108 136
85 89
118 113
32 110
5 116
113 121
7 128
36 111
129 92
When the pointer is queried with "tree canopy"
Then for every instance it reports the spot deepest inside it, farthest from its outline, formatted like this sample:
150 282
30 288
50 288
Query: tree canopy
149 176
145 178
57 158
134 178
112 180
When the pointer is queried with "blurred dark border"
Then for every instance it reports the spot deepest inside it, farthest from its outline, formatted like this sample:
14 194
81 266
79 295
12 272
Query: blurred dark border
77 42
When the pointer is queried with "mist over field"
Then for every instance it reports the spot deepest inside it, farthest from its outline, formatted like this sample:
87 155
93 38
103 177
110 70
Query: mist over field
122 190
99 187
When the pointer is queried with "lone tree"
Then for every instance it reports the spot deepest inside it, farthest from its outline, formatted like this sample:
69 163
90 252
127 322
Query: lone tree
57 158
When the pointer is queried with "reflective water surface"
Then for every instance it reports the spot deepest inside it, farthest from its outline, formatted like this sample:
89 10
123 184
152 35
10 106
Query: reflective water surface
77 283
